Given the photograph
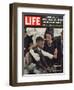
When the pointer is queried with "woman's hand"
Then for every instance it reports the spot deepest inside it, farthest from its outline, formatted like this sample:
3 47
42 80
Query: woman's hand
55 53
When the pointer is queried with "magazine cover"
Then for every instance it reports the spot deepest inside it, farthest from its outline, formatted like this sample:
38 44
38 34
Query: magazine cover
42 43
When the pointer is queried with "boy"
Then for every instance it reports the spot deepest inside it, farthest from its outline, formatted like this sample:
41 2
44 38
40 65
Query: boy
39 55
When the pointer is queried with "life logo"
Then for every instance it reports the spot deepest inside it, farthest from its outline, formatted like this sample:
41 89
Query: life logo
32 20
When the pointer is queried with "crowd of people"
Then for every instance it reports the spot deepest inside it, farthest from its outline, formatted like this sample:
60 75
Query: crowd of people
46 56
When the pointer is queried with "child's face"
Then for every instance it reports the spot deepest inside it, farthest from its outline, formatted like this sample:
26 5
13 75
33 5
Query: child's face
40 44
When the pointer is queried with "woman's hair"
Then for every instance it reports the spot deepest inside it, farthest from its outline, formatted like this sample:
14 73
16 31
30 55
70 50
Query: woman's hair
49 31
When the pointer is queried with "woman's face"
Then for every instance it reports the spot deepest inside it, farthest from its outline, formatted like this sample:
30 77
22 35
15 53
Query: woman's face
48 37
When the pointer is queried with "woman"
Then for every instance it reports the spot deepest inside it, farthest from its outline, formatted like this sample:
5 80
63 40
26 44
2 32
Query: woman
50 46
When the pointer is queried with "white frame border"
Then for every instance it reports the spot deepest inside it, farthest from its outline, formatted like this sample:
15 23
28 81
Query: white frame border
44 77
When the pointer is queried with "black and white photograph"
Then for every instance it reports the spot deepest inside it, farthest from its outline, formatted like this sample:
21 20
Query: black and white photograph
43 44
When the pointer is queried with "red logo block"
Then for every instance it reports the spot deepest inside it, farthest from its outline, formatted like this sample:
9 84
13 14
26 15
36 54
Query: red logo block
32 20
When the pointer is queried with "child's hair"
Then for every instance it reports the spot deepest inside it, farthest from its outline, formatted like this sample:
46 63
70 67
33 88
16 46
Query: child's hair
39 39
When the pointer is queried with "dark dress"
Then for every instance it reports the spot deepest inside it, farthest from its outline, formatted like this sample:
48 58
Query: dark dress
51 48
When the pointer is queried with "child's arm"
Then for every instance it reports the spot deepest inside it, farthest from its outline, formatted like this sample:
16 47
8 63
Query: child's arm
35 55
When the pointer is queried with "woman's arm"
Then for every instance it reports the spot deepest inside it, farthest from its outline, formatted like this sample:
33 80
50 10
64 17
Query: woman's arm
55 53
50 56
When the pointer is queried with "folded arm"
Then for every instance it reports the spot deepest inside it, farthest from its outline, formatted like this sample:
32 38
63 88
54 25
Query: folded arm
50 56
35 55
